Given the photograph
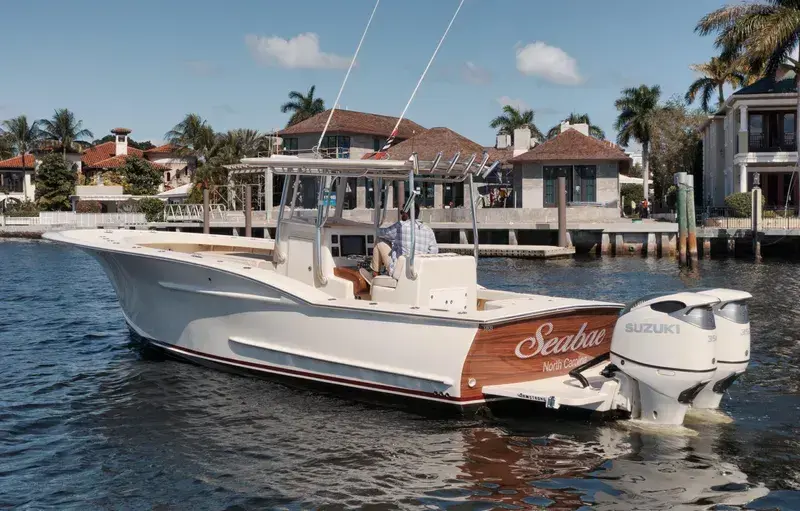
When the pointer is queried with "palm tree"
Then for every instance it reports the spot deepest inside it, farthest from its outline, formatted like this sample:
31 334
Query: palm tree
574 118
302 107
636 108
21 136
65 130
763 33
513 119
6 146
243 143
716 73
194 135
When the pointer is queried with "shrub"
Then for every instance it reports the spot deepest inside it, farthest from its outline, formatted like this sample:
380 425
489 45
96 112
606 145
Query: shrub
631 192
672 197
153 209
740 204
18 208
88 206
139 177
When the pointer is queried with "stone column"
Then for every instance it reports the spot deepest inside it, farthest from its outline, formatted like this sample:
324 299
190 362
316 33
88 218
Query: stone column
512 237
742 177
743 127
389 198
652 250
361 193
29 191
438 195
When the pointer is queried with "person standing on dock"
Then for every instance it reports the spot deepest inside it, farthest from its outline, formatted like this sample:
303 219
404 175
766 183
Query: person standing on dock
395 241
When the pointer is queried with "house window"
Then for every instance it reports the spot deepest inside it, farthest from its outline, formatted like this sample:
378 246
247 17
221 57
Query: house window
551 175
585 183
337 146
290 146
169 177
378 143
454 195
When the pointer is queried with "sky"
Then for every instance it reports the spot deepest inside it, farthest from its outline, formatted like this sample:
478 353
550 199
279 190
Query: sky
144 65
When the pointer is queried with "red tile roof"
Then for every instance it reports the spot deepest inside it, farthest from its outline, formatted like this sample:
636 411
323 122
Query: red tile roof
348 121
118 161
92 156
166 148
16 162
502 155
428 143
571 145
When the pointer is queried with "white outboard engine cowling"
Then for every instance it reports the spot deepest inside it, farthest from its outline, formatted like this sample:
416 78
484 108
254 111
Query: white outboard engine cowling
733 344
666 345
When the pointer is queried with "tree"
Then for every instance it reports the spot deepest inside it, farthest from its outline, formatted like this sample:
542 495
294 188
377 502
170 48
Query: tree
302 107
193 135
139 177
574 118
637 107
64 130
21 136
55 183
763 33
716 74
675 137
6 146
242 143
513 119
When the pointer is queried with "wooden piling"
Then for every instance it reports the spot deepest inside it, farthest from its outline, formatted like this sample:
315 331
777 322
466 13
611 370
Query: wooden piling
682 220
691 219
248 211
206 213
562 211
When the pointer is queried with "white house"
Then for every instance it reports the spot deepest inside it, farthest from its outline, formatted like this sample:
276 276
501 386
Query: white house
754 133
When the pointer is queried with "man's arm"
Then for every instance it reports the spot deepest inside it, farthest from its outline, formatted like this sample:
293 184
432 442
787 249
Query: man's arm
433 247
390 233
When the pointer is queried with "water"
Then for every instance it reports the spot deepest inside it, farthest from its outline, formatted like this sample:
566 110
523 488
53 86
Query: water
89 420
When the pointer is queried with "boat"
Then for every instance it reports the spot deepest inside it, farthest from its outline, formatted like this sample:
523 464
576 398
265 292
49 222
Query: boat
297 307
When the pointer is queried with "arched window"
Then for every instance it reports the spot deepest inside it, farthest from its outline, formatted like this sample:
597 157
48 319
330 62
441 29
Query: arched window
169 177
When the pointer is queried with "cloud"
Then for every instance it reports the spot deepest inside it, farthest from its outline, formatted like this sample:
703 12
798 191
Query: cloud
475 74
299 52
549 63
516 103
201 67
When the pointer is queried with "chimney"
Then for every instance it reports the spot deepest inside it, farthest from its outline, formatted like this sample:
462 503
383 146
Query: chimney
121 141
503 141
581 128
522 140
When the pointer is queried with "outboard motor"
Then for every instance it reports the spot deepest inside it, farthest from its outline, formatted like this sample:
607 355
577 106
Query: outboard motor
666 346
733 344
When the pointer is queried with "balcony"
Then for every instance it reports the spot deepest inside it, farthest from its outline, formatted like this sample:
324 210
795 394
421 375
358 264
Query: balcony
761 143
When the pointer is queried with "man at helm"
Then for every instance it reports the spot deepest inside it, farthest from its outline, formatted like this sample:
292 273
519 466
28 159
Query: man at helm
395 240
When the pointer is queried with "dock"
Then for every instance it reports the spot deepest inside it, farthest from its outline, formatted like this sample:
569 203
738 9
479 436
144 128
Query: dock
515 251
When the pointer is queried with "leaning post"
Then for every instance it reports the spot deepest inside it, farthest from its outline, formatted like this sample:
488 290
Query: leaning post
206 213
691 219
680 182
248 211
755 209
562 211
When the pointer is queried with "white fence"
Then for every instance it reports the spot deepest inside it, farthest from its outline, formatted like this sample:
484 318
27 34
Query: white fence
79 220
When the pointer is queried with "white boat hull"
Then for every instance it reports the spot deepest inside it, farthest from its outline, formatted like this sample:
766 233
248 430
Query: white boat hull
246 324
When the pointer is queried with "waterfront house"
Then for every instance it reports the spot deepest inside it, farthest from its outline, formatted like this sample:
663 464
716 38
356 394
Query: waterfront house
350 134
753 133
16 179
177 169
591 168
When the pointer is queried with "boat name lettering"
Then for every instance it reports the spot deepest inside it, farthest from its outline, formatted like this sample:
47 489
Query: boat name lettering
531 398
539 344
652 328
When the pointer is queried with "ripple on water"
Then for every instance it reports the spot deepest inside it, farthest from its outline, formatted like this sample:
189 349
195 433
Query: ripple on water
88 419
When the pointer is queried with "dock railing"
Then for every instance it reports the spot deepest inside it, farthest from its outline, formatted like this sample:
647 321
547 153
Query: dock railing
772 217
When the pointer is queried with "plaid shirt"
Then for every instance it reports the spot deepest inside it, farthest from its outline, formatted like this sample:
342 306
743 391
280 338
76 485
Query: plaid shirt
399 235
